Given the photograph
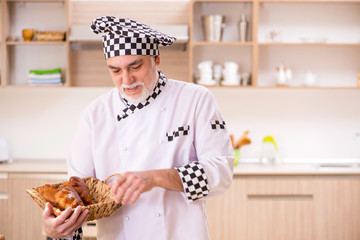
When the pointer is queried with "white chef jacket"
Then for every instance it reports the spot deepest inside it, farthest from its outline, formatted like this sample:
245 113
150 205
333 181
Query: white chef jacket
103 146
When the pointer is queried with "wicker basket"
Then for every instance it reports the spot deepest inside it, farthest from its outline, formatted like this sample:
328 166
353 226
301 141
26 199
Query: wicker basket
50 35
103 206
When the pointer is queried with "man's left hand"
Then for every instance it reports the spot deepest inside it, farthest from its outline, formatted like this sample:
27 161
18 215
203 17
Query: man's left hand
129 186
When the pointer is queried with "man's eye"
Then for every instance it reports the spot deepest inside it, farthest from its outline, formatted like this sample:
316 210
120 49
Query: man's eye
136 67
116 71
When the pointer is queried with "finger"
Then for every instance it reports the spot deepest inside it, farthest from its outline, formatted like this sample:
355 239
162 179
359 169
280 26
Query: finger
134 188
83 217
74 222
63 216
124 184
116 184
48 211
135 196
72 219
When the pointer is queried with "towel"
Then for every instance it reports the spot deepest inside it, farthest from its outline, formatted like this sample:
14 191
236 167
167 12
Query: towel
45 77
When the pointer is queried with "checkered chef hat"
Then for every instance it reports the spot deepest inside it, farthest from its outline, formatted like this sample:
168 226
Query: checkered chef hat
123 36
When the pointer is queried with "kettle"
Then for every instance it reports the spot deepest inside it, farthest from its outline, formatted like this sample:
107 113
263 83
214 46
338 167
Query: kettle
4 150
269 151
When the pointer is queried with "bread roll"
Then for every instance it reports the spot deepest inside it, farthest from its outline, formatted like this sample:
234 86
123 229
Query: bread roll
81 188
68 197
49 192
72 193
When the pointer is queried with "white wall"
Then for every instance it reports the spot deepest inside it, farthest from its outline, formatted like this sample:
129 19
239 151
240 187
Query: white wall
39 123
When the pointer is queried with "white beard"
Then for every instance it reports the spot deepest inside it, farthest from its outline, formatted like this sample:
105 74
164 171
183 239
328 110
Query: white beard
146 91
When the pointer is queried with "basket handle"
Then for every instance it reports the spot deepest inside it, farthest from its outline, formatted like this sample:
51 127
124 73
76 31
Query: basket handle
112 175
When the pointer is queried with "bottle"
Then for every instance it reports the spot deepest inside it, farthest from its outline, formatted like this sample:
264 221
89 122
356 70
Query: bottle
281 75
269 151
243 28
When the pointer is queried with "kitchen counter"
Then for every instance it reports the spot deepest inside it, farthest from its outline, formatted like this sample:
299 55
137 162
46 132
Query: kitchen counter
34 166
243 169
250 169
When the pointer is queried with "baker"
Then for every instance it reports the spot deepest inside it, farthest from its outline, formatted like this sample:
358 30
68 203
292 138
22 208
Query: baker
165 137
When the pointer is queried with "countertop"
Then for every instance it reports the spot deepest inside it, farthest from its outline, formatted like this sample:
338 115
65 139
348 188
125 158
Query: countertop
34 166
243 169
253 169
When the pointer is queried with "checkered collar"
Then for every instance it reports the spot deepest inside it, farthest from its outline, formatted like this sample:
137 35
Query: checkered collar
131 108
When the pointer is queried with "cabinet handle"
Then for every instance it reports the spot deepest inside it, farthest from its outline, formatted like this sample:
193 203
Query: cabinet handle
4 176
280 196
4 196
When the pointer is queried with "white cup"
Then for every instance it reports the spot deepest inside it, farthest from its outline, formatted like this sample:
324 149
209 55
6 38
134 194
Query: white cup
310 79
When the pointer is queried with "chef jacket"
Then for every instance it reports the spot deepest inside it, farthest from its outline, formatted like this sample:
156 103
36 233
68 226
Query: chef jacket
180 127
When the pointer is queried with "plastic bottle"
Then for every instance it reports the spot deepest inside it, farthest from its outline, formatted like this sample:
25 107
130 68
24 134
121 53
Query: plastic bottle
243 28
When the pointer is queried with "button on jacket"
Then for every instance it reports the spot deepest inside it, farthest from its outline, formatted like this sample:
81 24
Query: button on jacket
182 125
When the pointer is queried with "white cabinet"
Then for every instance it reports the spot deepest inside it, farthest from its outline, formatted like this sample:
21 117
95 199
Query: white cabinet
229 48
319 39
322 37
18 56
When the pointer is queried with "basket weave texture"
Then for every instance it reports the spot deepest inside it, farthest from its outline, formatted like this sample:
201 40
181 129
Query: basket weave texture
103 203
50 35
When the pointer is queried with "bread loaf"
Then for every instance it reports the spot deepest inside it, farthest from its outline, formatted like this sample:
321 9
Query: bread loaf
72 193
81 188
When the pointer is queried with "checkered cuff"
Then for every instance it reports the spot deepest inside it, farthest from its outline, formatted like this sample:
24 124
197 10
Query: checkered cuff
194 181
77 235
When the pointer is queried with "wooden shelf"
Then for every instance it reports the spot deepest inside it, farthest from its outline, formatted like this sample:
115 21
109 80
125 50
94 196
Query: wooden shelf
308 1
283 87
35 86
257 54
222 43
35 1
225 1
12 43
310 44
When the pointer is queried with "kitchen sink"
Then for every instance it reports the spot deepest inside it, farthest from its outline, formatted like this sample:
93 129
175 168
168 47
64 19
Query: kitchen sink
339 165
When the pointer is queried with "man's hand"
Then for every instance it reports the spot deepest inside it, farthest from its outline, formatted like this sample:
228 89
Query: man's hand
129 186
64 224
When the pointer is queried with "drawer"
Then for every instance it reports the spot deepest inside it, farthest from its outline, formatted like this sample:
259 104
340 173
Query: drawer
279 186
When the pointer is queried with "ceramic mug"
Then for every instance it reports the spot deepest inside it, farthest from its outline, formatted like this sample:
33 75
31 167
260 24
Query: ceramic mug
310 79
28 34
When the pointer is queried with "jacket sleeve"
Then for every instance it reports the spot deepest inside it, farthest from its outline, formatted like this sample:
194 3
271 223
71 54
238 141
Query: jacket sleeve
80 160
212 174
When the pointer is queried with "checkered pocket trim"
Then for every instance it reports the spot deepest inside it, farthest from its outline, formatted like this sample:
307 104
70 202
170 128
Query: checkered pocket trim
216 124
182 131
194 181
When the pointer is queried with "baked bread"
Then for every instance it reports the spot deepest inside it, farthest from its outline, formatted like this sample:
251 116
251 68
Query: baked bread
72 193
81 188
68 197
48 192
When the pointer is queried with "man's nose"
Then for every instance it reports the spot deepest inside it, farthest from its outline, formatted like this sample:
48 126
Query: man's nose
127 78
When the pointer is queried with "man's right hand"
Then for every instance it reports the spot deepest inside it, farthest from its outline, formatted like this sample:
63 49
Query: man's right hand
65 224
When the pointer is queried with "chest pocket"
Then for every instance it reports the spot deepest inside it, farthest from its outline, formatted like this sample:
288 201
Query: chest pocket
181 131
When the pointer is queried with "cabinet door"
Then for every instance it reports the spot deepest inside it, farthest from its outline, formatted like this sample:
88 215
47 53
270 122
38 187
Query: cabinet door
337 208
226 213
3 215
3 204
24 215
279 208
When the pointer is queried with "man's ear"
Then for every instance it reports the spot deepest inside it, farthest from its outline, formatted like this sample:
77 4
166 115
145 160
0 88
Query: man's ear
157 60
